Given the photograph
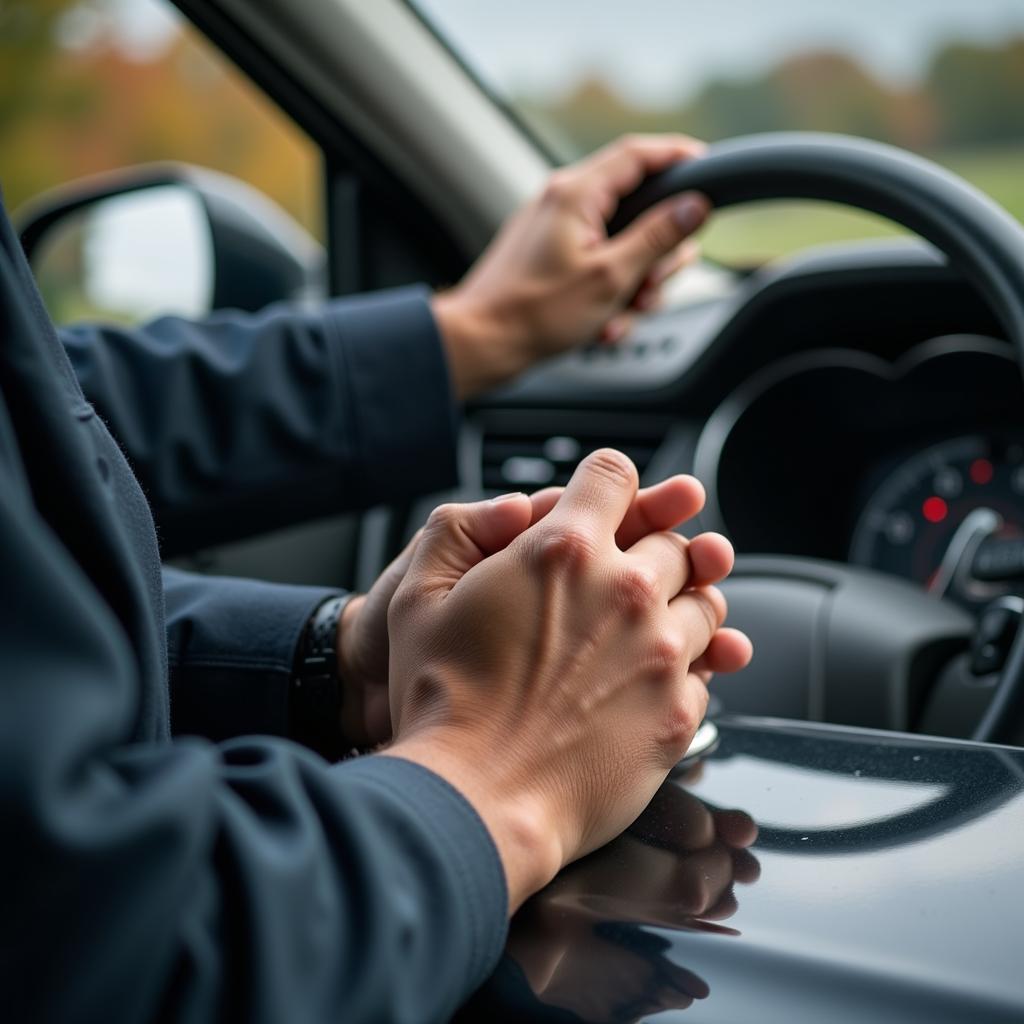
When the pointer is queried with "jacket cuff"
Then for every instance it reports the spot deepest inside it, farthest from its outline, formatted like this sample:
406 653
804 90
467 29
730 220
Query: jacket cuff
231 652
463 845
403 414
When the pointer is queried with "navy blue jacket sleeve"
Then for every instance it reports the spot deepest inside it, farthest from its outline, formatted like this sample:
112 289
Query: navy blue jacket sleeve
231 651
242 423
189 881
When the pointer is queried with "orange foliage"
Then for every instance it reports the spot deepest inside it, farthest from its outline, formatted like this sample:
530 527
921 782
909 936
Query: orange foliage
99 109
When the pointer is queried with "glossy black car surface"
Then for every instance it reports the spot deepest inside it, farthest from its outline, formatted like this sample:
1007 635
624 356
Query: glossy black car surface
883 886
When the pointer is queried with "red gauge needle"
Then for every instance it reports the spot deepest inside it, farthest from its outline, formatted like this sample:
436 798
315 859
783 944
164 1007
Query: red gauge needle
977 525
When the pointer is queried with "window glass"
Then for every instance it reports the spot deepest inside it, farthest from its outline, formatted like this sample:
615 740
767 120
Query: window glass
940 77
93 85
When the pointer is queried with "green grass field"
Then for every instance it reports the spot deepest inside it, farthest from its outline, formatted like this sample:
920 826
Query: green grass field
756 233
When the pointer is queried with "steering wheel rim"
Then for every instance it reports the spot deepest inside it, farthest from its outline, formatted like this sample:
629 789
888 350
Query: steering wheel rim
978 237
963 799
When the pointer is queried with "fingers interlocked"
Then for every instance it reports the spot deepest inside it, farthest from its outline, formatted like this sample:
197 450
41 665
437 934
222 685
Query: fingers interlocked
660 571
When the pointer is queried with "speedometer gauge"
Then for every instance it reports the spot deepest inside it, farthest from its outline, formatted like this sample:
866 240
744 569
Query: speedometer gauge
928 517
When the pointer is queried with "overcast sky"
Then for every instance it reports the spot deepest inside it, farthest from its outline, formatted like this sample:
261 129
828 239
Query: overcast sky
662 49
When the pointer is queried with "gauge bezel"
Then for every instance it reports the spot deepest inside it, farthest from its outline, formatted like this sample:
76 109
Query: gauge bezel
711 460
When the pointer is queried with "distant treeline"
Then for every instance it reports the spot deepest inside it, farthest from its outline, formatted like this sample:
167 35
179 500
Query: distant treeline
968 96
68 113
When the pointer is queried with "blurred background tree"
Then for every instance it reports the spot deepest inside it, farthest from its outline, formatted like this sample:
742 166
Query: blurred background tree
977 94
969 96
89 85
966 110
80 94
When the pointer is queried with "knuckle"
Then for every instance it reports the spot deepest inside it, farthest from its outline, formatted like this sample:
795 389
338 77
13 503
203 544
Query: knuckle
443 519
404 600
564 547
557 188
636 590
608 276
668 656
681 720
615 467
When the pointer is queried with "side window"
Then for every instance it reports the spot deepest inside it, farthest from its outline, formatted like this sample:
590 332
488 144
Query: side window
88 86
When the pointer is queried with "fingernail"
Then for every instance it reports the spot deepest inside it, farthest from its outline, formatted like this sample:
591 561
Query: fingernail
690 212
507 497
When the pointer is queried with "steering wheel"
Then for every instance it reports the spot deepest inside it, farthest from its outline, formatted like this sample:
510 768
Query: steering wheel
980 240
990 779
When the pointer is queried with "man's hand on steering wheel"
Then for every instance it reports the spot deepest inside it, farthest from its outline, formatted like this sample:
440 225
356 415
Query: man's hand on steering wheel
552 279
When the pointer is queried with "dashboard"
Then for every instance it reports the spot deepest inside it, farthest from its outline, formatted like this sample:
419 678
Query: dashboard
855 406
855 403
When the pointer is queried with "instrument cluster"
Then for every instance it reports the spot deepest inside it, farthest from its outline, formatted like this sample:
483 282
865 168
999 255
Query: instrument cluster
914 468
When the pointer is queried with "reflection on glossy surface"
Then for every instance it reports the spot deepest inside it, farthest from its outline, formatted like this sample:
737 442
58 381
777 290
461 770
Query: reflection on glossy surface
900 900
579 946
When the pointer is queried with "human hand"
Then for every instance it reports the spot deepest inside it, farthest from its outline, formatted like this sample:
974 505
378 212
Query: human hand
553 279
362 642
556 682
363 648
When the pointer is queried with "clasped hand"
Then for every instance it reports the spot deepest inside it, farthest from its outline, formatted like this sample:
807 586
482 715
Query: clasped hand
549 656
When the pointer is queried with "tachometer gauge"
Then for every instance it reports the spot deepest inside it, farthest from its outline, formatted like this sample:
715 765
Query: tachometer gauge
930 515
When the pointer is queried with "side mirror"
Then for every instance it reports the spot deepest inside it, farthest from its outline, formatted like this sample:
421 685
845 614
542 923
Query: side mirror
165 238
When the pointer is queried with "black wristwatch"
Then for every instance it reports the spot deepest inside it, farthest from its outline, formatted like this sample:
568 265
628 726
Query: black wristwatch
314 699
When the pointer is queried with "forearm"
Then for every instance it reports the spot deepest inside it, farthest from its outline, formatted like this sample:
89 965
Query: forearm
250 881
232 647
243 423
188 880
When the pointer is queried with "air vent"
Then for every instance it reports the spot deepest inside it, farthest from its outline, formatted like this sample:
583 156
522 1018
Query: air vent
526 460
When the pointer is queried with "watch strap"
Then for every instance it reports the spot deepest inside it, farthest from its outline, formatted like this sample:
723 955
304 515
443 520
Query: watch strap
314 699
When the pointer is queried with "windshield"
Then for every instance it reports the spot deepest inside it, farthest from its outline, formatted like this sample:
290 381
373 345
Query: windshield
941 77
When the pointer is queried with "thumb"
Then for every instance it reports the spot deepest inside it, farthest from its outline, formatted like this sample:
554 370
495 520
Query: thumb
457 537
658 232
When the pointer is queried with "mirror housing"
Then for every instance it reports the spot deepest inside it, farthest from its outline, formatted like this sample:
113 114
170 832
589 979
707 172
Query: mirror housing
127 232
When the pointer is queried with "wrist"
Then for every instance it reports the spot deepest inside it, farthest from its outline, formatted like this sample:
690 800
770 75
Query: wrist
352 679
481 347
520 822
345 645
